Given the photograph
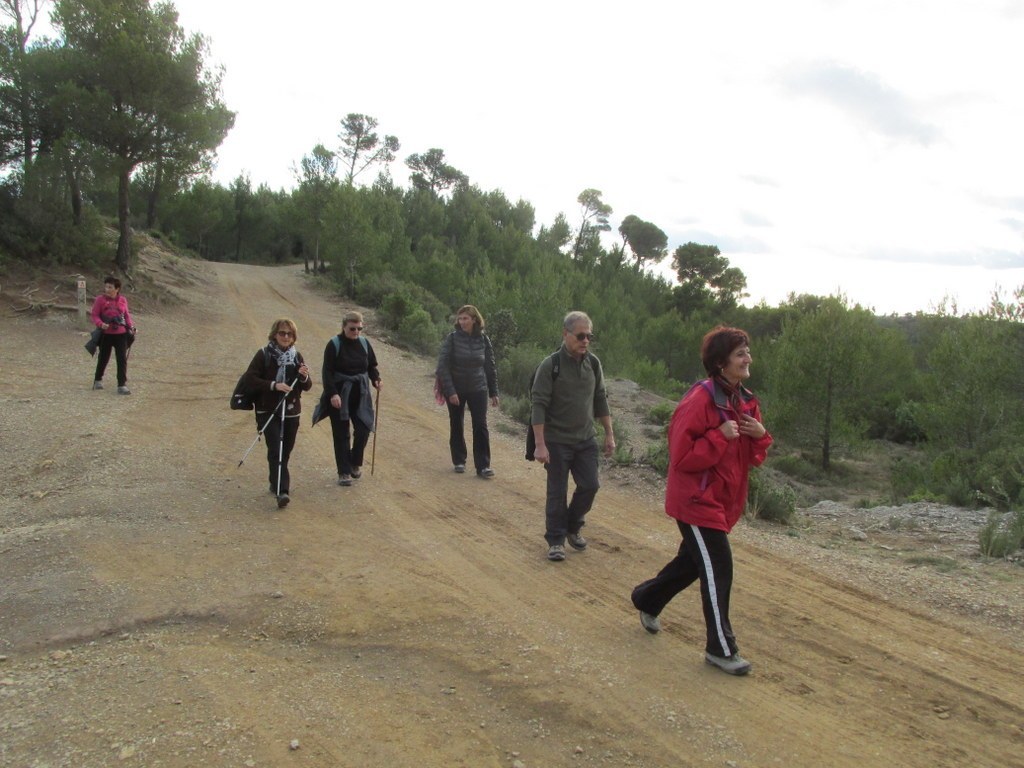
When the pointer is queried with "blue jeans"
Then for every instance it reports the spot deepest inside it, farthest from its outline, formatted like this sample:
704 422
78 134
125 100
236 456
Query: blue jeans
580 460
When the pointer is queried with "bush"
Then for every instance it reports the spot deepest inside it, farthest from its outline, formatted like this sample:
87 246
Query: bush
1003 534
657 457
770 500
518 408
661 413
418 331
515 369
795 466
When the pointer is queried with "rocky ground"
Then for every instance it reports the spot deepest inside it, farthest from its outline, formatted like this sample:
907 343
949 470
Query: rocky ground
157 609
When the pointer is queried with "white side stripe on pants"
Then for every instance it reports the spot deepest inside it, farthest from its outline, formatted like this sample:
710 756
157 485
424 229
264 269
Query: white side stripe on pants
712 589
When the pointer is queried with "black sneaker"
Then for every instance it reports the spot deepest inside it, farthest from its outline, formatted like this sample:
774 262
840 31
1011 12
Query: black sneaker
486 473
345 480
356 473
282 500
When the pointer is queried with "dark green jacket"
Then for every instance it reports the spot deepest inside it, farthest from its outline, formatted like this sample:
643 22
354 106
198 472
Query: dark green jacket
567 405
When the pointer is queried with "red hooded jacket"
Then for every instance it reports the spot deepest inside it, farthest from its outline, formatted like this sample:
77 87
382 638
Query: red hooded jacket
707 473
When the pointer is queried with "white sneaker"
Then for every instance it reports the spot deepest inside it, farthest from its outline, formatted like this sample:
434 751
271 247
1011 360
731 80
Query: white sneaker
651 623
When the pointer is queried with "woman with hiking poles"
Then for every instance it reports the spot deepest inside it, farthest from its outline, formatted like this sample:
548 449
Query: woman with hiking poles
466 375
714 438
278 376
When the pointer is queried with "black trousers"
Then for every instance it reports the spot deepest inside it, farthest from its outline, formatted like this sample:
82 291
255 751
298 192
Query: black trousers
119 343
579 460
350 436
477 402
272 436
704 554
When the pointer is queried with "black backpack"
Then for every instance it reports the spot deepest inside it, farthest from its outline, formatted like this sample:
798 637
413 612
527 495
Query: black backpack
242 399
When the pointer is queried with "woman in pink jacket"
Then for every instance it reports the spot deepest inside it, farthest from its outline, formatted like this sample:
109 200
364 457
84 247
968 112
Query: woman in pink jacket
715 437
110 312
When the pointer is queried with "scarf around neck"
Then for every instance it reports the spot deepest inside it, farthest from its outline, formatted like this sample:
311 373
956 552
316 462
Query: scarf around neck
282 359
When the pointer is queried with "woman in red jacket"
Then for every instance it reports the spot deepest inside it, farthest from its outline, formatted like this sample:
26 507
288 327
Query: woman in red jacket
110 313
714 438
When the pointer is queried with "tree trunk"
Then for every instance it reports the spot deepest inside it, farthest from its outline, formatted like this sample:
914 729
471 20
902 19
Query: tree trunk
826 443
124 241
154 195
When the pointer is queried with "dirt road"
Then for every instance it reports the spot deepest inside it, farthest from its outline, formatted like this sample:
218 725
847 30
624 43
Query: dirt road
156 609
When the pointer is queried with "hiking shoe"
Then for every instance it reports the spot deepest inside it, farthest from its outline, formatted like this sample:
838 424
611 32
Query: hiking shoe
97 385
734 665
123 390
576 541
282 500
556 552
651 623
486 473
356 473
344 479
460 468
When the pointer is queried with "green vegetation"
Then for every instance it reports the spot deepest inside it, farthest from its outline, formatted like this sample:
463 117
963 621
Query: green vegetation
830 375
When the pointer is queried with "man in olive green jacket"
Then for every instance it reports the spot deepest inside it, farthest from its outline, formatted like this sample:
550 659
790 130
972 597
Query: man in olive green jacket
568 394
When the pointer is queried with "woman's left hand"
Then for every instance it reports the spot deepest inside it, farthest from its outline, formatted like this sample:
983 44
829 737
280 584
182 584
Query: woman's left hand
494 401
751 427
304 371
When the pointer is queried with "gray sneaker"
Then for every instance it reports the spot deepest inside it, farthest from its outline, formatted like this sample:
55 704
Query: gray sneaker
556 552
97 384
356 473
651 623
344 479
282 500
460 468
122 390
734 665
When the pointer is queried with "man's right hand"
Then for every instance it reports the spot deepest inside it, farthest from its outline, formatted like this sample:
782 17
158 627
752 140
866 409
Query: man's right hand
541 454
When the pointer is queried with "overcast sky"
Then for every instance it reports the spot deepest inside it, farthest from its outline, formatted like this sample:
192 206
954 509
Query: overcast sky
871 147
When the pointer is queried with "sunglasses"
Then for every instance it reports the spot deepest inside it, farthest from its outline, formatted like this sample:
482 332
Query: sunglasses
582 336
354 328
285 333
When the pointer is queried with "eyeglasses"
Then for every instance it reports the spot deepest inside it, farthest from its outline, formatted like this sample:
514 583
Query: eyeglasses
285 333
582 336
354 328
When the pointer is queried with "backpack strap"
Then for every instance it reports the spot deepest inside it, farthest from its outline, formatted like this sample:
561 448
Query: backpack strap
709 386
336 341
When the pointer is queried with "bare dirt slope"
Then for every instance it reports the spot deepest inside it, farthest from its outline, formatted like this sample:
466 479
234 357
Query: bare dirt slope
157 609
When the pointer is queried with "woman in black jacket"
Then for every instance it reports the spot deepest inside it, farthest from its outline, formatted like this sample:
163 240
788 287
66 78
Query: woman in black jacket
467 375
270 376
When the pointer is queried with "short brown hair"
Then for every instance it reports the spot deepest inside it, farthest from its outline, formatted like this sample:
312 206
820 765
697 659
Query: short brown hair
277 326
718 344
351 317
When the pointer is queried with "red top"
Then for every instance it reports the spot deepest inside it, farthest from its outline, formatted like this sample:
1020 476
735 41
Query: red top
106 309
707 473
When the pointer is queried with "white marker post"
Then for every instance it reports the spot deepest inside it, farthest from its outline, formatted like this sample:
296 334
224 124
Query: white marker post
81 298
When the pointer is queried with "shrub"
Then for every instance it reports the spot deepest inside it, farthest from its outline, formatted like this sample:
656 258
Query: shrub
796 466
518 408
1003 534
418 331
770 500
657 457
661 413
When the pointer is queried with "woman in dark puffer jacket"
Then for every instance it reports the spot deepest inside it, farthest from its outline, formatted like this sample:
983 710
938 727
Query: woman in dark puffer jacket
468 376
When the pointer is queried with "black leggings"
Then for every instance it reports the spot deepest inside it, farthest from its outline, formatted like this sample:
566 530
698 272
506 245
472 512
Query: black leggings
119 343
272 436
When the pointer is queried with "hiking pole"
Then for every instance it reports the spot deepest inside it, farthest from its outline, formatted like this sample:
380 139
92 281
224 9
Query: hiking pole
280 445
262 429
376 418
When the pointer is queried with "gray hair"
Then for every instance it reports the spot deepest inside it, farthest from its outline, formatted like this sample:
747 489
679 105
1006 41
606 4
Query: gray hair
576 317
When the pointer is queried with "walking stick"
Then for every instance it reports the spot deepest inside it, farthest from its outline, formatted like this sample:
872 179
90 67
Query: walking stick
280 447
262 429
376 419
